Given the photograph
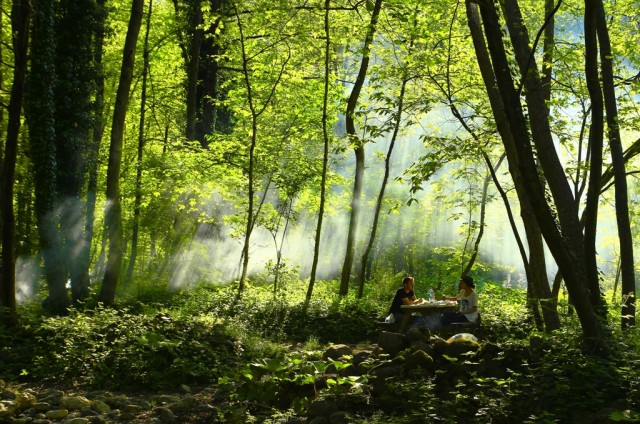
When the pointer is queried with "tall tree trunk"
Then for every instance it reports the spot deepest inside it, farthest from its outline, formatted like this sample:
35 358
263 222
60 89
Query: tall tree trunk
141 123
567 246
325 153
596 144
620 182
192 69
20 16
535 267
211 114
113 210
76 73
94 148
40 117
358 150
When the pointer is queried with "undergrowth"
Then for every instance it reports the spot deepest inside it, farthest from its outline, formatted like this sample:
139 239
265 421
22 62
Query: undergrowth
267 349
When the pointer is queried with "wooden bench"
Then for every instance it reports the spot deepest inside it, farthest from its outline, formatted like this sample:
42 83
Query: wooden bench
463 327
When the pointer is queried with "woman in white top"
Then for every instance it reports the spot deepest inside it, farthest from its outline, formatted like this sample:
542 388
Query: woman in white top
468 300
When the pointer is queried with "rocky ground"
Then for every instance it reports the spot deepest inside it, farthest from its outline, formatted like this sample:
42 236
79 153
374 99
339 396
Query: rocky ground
41 405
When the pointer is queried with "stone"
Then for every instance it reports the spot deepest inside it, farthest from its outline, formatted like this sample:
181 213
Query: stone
77 420
184 404
339 417
166 415
422 345
41 406
419 359
337 351
25 400
455 347
166 399
322 408
57 414
7 394
466 336
4 412
100 407
127 416
74 402
386 370
392 343
133 409
415 334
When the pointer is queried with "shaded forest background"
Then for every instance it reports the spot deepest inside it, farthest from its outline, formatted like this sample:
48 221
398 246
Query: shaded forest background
178 142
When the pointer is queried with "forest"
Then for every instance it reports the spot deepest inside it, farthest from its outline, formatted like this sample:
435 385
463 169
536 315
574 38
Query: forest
220 197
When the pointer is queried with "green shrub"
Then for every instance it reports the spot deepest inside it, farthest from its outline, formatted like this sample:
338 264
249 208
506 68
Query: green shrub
115 348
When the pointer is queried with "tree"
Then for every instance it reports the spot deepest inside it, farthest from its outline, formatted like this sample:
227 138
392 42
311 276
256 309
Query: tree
257 103
201 50
93 148
140 152
113 210
325 153
534 264
20 18
620 181
358 146
40 111
566 245
76 24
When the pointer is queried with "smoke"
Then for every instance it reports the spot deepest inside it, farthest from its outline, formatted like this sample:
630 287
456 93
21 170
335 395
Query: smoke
27 274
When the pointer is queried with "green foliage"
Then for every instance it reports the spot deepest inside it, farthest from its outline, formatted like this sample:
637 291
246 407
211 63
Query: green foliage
268 351
115 348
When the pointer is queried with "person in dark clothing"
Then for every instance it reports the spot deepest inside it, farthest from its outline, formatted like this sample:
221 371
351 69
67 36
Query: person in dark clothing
404 296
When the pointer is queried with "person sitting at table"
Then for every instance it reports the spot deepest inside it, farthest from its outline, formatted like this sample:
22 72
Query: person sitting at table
404 296
468 299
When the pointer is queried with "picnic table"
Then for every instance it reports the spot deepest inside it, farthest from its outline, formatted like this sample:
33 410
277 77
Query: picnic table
426 308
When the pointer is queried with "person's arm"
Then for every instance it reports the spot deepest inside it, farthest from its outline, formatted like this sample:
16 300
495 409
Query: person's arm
412 300
457 297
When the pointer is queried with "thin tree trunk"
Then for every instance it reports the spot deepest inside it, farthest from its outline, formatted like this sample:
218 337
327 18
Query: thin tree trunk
596 130
387 169
256 112
325 153
620 182
113 210
93 151
20 16
358 150
483 209
141 123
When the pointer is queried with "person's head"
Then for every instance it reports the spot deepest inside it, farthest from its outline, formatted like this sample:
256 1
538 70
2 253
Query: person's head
407 283
468 281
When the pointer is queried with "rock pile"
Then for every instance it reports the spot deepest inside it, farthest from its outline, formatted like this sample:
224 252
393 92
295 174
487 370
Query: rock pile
18 406
396 356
